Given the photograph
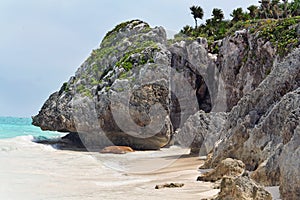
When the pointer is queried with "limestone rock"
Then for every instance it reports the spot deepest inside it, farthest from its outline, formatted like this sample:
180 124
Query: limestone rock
117 93
117 150
241 188
289 168
169 185
71 141
244 62
134 90
259 127
263 120
203 129
228 167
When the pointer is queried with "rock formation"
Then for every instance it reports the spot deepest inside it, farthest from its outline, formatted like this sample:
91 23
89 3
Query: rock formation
227 167
263 120
135 90
235 182
241 188
117 150
204 129
259 128
169 185
289 168
138 89
114 90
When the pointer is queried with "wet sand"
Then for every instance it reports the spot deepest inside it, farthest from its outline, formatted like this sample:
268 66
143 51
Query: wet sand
33 171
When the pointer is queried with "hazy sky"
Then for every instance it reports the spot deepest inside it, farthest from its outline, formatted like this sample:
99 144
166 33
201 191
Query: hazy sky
43 42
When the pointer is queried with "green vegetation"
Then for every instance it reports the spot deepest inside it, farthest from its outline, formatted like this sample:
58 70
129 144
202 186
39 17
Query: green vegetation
127 62
65 87
94 81
124 75
282 34
107 88
197 13
275 21
123 25
108 47
81 89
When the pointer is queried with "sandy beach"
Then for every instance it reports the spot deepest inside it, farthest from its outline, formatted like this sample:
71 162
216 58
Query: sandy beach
32 171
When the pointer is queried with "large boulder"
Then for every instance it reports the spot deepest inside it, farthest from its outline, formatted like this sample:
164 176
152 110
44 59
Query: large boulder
134 90
117 92
241 188
117 150
228 167
203 129
235 184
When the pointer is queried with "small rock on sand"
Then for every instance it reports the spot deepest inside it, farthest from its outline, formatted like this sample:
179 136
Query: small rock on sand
169 185
117 149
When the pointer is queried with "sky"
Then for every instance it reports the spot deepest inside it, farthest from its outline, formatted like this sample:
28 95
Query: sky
43 42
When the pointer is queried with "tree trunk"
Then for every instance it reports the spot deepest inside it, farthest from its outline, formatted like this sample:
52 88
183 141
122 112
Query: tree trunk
285 14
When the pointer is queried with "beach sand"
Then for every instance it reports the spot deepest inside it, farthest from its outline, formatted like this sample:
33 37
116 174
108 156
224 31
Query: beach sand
30 171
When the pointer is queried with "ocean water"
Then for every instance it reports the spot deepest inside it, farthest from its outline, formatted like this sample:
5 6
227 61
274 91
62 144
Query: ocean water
11 127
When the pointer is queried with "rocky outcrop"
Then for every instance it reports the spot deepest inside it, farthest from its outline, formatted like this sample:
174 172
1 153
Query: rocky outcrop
234 182
117 150
71 141
227 167
289 168
169 185
110 99
261 126
241 188
135 90
261 95
264 119
203 129
244 61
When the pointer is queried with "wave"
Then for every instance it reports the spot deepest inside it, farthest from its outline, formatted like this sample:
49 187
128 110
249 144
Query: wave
22 143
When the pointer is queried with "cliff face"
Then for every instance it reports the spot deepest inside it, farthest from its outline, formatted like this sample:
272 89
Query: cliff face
134 90
262 125
140 90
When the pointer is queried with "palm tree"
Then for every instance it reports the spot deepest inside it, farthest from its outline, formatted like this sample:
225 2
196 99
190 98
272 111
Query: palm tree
295 8
265 8
275 8
253 11
197 13
217 14
187 30
285 9
237 14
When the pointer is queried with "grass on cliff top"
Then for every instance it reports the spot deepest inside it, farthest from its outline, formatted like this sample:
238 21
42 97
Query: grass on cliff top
109 43
123 25
282 33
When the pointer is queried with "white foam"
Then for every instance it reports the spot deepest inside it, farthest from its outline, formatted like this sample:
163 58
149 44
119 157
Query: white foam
22 143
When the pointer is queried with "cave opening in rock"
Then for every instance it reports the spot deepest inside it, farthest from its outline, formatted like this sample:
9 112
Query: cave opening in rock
200 91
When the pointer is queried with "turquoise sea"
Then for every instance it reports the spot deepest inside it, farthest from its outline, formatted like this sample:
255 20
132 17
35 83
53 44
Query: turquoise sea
11 127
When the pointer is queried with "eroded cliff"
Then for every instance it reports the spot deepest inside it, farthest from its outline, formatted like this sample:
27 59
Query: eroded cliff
141 90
